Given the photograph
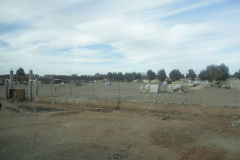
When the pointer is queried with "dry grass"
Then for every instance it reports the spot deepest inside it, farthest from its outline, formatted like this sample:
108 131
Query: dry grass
222 125
172 138
65 113
203 153
216 119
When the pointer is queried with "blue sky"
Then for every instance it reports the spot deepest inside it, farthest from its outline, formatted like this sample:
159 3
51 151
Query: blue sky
90 36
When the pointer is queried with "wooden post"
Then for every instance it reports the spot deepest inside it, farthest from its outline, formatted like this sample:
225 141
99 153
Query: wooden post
36 83
11 79
7 88
30 85
30 91
30 75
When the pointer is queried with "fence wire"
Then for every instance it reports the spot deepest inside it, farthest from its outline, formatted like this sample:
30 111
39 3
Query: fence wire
132 92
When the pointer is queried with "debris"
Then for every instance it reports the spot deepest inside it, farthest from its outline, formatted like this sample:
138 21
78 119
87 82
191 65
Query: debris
174 88
12 109
236 124
152 88
165 117
100 110
145 81
115 156
38 108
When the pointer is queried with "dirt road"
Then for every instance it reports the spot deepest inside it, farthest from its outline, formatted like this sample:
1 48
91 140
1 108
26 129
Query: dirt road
27 131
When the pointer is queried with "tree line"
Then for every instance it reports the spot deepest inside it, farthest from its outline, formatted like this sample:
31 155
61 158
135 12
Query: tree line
210 73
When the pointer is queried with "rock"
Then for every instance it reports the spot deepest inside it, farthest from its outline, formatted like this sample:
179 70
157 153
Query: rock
165 117
236 124
115 156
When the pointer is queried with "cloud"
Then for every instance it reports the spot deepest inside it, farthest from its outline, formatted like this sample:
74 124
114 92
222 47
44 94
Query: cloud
88 36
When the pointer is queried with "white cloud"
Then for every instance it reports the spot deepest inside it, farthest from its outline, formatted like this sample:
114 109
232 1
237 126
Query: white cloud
58 35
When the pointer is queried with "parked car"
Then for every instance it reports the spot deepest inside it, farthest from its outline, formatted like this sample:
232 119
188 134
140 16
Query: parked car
77 84
57 81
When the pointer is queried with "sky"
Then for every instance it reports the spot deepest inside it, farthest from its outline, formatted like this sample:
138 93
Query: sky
100 36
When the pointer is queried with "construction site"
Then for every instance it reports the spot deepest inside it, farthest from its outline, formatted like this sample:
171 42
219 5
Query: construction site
114 120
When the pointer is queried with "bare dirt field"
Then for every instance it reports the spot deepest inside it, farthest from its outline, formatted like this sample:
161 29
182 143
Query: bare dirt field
173 132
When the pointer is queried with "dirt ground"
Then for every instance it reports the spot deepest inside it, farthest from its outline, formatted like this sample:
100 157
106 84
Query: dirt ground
174 132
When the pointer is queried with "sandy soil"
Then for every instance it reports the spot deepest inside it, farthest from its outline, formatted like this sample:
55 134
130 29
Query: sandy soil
58 132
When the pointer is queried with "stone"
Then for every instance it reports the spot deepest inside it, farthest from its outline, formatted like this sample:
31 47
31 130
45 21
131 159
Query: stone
236 124
165 117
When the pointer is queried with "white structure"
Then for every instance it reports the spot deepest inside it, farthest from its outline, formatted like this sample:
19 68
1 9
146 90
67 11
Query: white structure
152 88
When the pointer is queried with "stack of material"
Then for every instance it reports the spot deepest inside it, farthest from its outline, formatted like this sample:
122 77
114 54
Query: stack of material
19 95
155 81
146 88
152 88
145 81
196 83
174 88
163 88
136 81
204 84
233 83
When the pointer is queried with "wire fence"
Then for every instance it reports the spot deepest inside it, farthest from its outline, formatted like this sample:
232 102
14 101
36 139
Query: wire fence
131 92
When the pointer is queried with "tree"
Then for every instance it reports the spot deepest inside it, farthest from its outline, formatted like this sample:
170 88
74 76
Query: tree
97 74
151 75
109 75
236 74
120 76
175 74
161 75
223 72
138 76
134 75
128 77
202 75
216 72
191 74
211 73
20 72
115 76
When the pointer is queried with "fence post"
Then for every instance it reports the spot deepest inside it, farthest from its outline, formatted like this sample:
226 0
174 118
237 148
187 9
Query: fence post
30 85
185 92
36 83
51 88
93 90
7 88
11 79
30 90
119 100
